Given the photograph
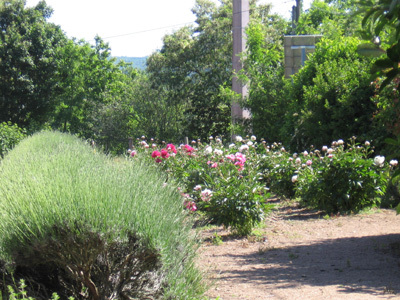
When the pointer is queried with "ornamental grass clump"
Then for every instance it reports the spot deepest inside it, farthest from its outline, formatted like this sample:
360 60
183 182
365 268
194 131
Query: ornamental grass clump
84 225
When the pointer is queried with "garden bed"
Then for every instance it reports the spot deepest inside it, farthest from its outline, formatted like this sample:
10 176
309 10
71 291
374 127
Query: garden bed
303 254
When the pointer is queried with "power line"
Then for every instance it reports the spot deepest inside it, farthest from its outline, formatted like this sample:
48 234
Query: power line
148 30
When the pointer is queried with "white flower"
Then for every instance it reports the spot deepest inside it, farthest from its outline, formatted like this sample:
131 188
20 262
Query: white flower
197 187
249 143
239 138
367 143
324 148
283 149
379 160
253 138
211 137
218 140
298 160
340 142
208 150
329 151
218 152
305 153
394 162
243 148
294 178
232 146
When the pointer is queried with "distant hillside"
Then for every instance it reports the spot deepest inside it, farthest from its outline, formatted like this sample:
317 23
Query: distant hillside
137 62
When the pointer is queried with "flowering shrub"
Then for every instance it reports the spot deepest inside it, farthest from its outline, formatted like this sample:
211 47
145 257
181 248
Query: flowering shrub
222 182
229 183
342 178
278 168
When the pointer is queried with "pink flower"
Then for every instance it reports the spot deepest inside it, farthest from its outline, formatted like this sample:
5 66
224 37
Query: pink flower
188 148
214 165
231 157
309 162
171 147
164 153
240 157
156 154
190 205
158 160
206 195
133 153
240 164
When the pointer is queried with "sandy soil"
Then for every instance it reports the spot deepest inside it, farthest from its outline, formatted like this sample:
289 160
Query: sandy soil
302 255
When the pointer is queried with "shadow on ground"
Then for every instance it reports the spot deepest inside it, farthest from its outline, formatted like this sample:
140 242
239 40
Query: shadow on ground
363 264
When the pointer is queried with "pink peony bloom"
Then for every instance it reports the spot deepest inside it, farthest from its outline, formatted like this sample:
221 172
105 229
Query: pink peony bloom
240 157
188 148
231 157
164 153
206 195
133 153
156 154
171 147
190 205
158 160
214 165
309 162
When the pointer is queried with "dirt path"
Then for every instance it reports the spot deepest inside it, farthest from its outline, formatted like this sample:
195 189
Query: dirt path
301 255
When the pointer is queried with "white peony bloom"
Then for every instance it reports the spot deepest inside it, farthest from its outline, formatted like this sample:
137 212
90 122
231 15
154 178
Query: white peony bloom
394 162
243 148
208 150
379 160
239 138
218 152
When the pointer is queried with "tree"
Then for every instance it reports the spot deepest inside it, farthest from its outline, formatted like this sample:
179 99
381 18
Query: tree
264 72
193 70
331 18
29 52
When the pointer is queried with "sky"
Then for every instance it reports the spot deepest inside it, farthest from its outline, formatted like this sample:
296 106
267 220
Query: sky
133 28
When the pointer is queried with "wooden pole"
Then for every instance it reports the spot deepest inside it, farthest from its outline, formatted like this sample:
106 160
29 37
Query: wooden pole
241 18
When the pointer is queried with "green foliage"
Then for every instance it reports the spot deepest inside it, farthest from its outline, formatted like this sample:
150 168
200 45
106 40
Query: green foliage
331 18
59 196
29 53
278 168
330 97
264 70
381 18
343 179
10 135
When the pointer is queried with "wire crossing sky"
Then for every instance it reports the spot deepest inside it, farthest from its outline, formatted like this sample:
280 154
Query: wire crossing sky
132 28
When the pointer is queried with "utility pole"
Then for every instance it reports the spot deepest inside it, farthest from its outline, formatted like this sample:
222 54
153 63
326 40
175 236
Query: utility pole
241 16
298 10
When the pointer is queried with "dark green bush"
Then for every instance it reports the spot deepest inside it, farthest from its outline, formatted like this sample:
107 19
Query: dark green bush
81 224
330 97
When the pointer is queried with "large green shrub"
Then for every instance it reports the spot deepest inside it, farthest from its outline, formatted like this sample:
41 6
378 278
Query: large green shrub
77 221
330 97
10 135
